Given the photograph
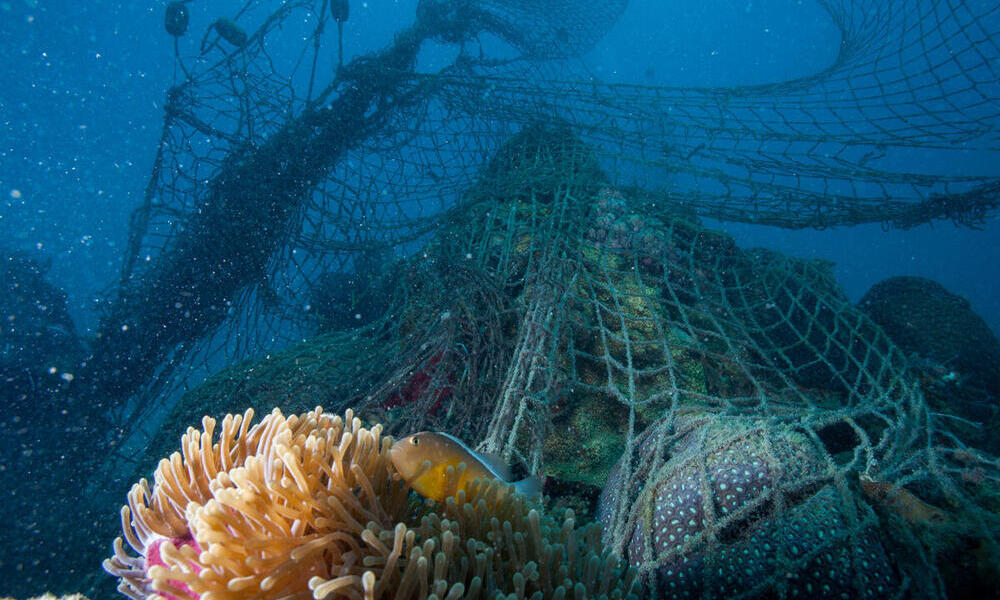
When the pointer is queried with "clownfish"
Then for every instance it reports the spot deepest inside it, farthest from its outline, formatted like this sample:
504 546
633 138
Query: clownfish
422 460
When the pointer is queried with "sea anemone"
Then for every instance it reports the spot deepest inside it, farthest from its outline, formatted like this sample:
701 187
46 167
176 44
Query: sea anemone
310 506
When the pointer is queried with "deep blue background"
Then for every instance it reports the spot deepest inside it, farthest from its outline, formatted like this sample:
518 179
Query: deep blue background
80 116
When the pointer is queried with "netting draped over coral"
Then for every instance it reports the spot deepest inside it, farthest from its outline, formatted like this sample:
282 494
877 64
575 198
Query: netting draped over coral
516 255
721 398
265 185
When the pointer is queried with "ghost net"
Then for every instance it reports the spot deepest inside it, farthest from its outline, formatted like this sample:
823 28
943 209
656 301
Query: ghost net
515 255
262 200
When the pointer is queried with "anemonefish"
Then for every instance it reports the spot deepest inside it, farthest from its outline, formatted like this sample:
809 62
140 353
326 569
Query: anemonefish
422 460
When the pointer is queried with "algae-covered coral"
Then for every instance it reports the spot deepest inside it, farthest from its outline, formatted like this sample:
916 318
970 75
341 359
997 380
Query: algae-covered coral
309 506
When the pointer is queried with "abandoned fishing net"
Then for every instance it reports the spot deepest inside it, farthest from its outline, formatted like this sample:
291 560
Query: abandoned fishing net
739 428
535 288
517 254
273 179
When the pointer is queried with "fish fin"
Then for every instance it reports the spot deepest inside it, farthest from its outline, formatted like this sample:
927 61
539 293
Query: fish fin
492 462
530 487
495 464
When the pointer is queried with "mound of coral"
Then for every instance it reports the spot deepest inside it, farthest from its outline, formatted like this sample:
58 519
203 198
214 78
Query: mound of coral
925 319
955 355
749 507
743 509
750 432
310 506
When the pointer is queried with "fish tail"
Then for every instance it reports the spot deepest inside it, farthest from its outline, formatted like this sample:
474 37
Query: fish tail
530 487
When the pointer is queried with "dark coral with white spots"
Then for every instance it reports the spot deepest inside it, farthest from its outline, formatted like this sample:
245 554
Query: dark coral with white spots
735 474
769 527
678 512
806 553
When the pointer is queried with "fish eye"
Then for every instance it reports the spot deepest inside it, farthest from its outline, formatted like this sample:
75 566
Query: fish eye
416 441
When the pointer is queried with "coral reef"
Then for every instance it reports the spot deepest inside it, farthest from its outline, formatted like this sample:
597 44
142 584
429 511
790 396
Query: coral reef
725 401
955 355
737 507
925 319
310 506
620 341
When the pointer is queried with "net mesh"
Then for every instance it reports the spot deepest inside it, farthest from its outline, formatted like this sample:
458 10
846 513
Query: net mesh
265 190
514 254
725 400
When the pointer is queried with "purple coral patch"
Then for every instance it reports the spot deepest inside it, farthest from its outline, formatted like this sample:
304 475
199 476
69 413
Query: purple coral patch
736 484
678 509
805 553
678 512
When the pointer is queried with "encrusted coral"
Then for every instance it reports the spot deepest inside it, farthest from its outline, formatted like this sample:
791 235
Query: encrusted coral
955 355
740 508
928 321
621 346
310 506
587 442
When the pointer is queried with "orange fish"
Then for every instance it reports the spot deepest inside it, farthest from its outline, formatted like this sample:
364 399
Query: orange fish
422 459
903 502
